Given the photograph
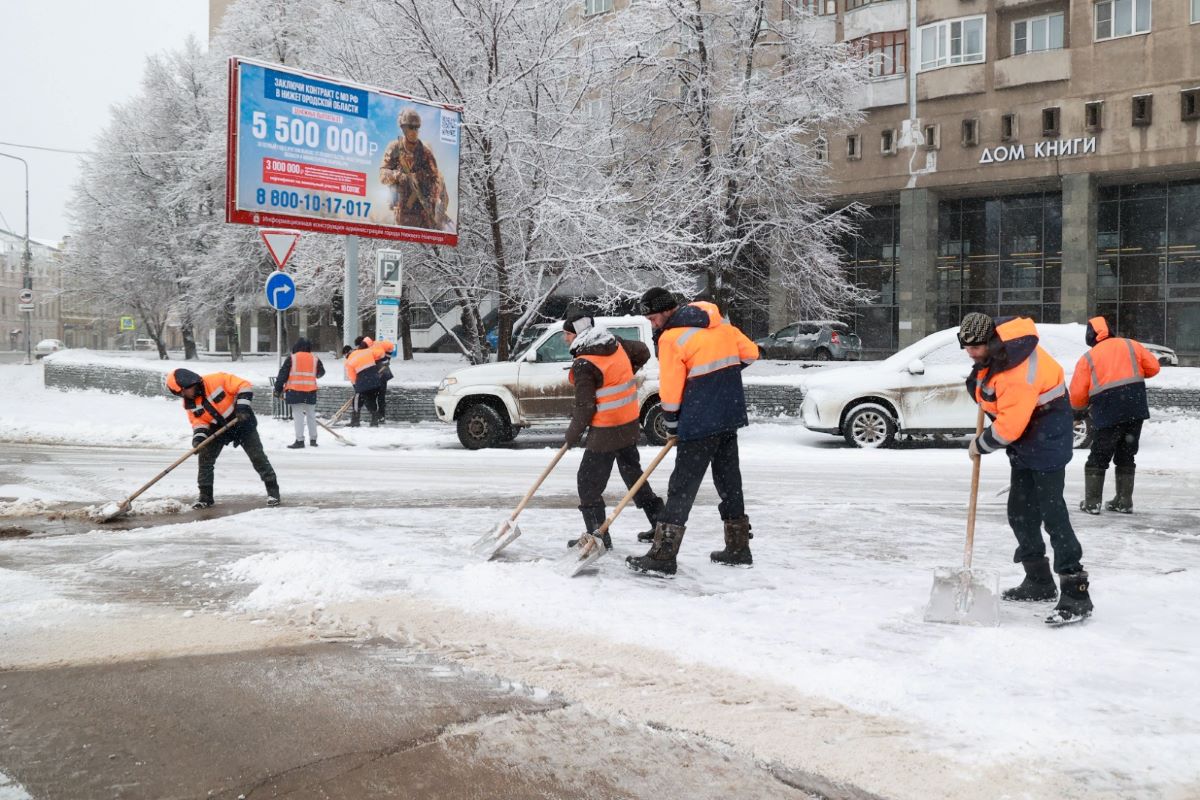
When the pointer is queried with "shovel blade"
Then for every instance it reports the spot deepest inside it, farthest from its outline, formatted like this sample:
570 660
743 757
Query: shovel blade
582 555
492 543
964 597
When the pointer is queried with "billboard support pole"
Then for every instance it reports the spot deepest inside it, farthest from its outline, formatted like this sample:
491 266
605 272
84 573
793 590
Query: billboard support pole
350 294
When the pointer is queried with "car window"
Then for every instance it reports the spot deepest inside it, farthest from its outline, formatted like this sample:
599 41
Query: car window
631 333
948 354
787 332
809 330
554 348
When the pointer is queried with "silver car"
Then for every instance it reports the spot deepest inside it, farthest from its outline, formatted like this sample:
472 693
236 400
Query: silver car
818 340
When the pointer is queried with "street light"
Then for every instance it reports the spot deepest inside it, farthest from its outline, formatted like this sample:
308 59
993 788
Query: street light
28 282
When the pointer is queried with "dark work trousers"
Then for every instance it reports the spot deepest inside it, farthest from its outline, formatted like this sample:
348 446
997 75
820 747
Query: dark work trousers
1036 499
691 462
254 449
594 471
368 400
1116 443
381 401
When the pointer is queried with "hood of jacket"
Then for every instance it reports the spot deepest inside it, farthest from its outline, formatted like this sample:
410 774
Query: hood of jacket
302 345
1014 341
180 379
595 341
702 314
1097 331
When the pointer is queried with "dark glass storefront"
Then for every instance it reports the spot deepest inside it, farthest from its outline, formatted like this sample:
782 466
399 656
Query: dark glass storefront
1148 262
1001 256
872 259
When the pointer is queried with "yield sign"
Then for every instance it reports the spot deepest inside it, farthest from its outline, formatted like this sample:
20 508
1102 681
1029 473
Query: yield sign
280 242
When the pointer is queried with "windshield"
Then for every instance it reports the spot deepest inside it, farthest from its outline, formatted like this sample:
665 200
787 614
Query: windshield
920 349
528 336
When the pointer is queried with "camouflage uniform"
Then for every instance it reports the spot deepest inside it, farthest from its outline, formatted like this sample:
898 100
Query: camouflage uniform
416 184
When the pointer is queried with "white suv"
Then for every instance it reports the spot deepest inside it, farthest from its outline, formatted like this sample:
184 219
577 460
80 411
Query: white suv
490 403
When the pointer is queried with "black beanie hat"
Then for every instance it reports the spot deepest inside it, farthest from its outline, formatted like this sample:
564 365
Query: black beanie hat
657 300
577 323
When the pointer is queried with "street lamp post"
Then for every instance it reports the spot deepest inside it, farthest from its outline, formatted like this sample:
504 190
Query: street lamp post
28 282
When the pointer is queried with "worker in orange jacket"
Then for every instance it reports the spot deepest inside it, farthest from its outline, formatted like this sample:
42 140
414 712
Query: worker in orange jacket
1021 388
297 384
700 361
365 374
1110 381
212 402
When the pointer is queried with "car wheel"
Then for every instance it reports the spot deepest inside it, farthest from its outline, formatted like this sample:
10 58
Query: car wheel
1083 434
481 426
513 430
822 354
869 426
654 426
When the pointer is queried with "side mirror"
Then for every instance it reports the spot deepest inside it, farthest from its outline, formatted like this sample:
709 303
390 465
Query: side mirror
531 356
916 367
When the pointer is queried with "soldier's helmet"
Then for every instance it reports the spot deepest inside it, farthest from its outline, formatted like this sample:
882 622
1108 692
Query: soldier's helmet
409 117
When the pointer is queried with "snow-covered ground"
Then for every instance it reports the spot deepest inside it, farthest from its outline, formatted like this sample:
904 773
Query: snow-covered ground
817 657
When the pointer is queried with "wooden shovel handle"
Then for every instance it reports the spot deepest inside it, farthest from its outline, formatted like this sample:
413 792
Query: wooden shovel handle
974 495
562 451
129 500
342 410
636 486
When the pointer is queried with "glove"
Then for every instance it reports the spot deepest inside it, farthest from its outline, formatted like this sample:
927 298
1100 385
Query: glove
1080 414
671 422
198 438
973 448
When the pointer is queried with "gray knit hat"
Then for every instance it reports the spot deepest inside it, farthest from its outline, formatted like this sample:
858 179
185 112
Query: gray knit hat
976 328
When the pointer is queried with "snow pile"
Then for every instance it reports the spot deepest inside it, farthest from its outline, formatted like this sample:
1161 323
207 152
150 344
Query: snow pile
155 507
25 508
300 576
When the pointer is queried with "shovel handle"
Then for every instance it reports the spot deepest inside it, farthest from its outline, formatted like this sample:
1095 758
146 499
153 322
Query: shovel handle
562 451
636 486
332 432
129 500
341 410
974 496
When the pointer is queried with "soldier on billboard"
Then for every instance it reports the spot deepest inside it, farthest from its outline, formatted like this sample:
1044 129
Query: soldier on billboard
418 193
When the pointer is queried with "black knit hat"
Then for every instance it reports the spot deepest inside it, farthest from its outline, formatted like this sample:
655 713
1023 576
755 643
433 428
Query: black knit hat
976 328
577 322
657 300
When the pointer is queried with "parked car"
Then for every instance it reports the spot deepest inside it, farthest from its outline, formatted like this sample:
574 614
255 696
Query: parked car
1165 355
47 346
919 390
819 340
491 403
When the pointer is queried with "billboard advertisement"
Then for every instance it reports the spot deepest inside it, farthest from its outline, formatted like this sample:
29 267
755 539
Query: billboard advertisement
327 155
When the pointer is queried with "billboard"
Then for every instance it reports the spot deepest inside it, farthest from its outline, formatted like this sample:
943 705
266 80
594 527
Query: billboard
327 155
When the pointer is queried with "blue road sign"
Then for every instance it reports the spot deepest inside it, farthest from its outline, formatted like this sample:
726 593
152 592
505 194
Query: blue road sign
281 290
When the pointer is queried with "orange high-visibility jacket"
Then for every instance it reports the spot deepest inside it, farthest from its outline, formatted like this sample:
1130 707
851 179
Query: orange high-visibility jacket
1111 377
221 393
303 375
616 400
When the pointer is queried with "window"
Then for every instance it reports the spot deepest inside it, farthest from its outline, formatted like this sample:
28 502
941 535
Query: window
970 132
791 8
853 147
887 53
1093 116
1115 18
1036 34
853 4
933 136
1008 127
1143 107
887 142
1050 121
555 348
1189 104
957 41
1195 10
596 6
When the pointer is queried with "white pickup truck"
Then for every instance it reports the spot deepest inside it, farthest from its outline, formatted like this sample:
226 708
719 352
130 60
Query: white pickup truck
491 403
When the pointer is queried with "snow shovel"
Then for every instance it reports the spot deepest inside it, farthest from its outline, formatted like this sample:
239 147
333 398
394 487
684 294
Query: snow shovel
335 435
112 510
507 531
590 546
966 596
333 420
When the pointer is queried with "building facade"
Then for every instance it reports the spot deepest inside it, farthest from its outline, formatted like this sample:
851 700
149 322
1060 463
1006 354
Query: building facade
1035 157
46 318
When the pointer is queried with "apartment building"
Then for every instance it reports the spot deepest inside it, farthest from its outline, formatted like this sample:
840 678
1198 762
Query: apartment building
1037 157
46 318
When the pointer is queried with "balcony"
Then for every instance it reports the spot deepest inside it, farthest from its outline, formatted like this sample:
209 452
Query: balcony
877 17
951 81
879 92
1042 67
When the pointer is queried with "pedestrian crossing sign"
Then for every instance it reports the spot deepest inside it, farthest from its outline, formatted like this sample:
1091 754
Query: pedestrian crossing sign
127 324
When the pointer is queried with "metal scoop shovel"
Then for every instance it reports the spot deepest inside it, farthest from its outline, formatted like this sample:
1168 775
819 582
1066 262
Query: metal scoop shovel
507 531
966 596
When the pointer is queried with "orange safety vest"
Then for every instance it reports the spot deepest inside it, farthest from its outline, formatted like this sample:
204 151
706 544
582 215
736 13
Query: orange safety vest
303 375
1015 394
220 392
357 361
616 400
1109 364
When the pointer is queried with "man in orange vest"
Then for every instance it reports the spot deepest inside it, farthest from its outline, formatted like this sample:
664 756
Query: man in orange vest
364 373
212 402
700 361
297 384
1021 388
606 406
1111 378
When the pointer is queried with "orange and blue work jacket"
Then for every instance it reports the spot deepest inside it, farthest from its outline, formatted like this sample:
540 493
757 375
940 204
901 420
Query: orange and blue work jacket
616 399
217 405
1021 388
1111 377
362 368
700 361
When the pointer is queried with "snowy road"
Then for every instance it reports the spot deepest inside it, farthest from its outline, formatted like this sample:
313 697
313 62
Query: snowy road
816 659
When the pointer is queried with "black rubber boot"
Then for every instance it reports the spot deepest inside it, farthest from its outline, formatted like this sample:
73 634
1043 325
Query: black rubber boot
737 544
661 558
1123 502
312 442
1038 583
206 498
652 511
1075 603
375 419
593 518
296 445
355 419
272 494
1093 490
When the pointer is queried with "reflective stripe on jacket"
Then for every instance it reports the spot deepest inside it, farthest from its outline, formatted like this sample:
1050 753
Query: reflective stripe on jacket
303 377
361 369
1022 389
616 400
1111 378
223 392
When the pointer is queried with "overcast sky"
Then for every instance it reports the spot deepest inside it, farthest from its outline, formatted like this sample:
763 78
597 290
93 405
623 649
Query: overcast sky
62 64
